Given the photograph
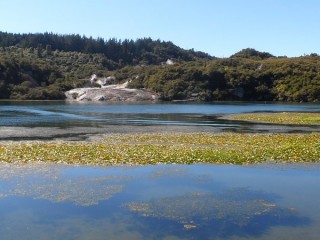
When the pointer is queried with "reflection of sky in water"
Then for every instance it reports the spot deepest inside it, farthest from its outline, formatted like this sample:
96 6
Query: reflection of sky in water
47 181
159 202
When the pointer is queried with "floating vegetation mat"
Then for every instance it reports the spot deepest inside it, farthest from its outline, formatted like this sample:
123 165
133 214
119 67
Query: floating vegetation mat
169 148
237 208
282 118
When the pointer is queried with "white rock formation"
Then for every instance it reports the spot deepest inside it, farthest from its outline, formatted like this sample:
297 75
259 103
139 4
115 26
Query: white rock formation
117 92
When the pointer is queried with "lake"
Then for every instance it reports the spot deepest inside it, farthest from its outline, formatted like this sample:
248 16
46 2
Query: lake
170 202
45 201
70 114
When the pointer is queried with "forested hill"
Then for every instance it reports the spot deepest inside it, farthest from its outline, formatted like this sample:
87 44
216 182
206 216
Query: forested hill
126 52
44 66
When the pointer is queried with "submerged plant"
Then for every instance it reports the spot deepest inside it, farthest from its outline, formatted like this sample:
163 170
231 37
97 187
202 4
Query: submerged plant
214 211
47 181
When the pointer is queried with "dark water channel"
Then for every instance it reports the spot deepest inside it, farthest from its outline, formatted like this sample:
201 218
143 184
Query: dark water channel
160 202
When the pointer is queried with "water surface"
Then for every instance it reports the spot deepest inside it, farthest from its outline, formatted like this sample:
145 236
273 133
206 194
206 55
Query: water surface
70 114
160 202
46 201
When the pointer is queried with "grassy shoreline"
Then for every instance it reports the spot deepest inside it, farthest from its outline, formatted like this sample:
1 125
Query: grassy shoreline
169 148
297 118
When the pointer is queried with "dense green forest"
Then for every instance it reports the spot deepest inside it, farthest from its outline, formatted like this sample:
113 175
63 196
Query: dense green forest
44 66
272 79
126 52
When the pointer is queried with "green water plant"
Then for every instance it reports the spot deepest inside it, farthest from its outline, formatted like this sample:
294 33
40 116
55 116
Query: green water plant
169 148
282 118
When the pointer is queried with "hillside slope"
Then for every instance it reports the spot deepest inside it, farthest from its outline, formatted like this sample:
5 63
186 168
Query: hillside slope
45 66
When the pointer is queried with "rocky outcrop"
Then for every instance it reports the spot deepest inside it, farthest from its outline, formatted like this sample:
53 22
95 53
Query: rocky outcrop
113 93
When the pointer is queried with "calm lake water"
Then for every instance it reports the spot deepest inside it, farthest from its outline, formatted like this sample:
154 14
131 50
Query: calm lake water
70 114
169 202
160 202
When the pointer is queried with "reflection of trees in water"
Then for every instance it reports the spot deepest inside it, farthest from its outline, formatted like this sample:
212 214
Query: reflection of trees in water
47 181
233 212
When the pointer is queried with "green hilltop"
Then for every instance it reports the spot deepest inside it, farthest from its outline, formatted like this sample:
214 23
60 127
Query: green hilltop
44 66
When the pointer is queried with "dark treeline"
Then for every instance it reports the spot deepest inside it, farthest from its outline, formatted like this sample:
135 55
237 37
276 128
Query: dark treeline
122 52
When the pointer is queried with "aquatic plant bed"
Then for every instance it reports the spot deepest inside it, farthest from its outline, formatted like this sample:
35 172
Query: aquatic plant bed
169 148
282 118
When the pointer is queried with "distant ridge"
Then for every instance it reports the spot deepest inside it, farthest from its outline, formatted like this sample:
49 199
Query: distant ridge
143 50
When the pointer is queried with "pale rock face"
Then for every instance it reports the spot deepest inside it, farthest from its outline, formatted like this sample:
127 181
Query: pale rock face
114 93
169 62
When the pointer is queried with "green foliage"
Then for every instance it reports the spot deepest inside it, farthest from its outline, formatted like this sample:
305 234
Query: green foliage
124 52
279 79
44 74
280 118
169 148
252 53
43 66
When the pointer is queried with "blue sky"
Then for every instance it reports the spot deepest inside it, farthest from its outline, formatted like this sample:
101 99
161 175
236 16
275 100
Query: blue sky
218 27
